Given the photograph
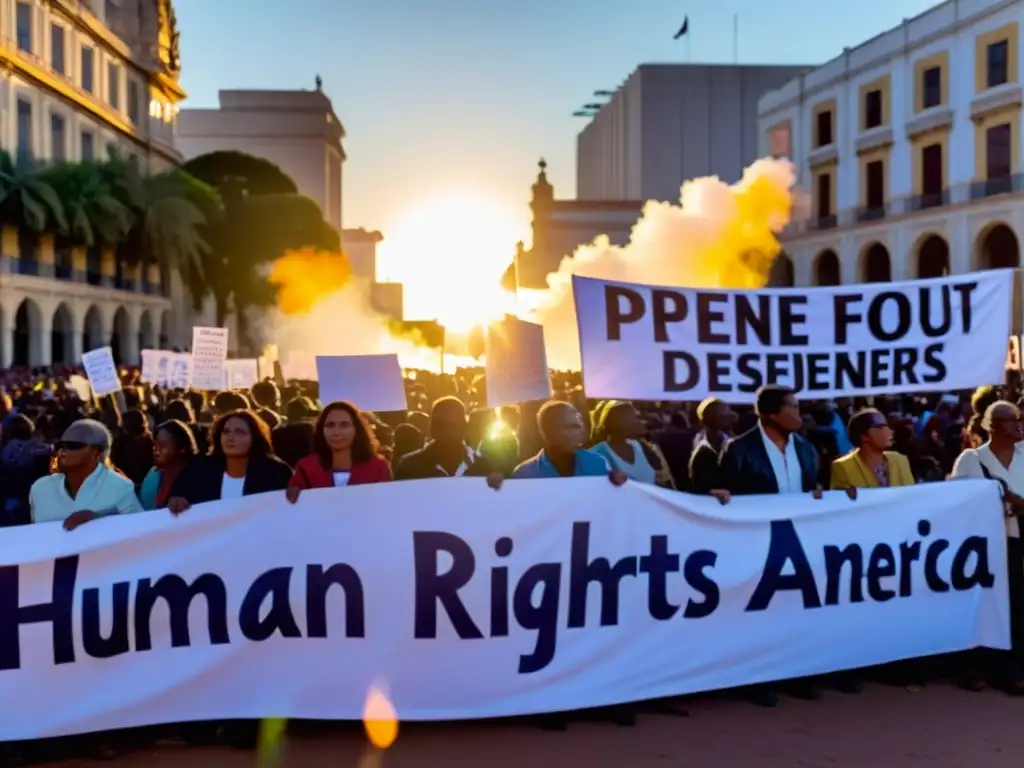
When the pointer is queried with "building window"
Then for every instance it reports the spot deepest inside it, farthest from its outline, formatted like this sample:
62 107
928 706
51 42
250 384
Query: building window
824 195
874 185
111 150
88 146
997 152
998 60
87 71
24 128
824 128
133 102
58 143
57 49
931 87
114 85
872 109
932 181
25 26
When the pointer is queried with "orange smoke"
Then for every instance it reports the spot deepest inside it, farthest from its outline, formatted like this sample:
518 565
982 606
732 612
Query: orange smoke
306 276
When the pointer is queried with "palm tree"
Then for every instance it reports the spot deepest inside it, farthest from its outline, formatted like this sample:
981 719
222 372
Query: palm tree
27 201
168 211
93 214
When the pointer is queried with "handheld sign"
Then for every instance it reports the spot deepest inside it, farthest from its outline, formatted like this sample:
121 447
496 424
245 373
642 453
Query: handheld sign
209 354
241 374
517 364
644 342
370 382
101 371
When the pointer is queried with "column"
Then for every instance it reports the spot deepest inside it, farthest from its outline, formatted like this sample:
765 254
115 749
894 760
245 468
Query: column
6 338
903 267
40 346
46 256
849 260
130 339
107 268
77 332
961 249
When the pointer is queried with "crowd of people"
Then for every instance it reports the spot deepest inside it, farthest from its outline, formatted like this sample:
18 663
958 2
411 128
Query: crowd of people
66 460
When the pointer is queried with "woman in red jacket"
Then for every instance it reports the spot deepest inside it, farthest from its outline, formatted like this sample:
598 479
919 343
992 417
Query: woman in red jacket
344 453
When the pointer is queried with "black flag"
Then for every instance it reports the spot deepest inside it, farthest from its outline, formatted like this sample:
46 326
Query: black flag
683 29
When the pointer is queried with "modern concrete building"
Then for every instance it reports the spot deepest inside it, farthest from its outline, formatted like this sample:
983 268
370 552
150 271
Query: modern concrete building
671 122
296 130
910 148
78 79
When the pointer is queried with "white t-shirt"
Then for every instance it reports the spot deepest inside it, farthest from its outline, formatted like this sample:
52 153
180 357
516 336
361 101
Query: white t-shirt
786 465
969 463
232 487
341 479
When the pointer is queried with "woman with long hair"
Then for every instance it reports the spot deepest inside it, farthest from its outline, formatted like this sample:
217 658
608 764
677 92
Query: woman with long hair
345 452
241 463
174 446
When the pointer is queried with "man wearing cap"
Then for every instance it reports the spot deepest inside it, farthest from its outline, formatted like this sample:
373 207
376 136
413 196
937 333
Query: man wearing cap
84 487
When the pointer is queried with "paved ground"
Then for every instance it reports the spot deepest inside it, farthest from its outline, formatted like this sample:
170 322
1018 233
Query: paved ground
940 727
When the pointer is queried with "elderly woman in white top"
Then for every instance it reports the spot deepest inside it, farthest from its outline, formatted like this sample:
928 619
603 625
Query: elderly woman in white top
1002 458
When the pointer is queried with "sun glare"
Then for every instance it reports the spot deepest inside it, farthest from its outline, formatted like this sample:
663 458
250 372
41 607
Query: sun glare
450 253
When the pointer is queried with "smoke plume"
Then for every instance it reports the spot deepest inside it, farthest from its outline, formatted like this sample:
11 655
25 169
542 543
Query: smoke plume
719 236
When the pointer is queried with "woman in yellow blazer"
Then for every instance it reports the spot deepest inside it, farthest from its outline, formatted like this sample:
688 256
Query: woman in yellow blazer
870 464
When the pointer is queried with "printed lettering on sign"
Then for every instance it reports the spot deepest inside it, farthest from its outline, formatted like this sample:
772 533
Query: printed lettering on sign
537 611
649 343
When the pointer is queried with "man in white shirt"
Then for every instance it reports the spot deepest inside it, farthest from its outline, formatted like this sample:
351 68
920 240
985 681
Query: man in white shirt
772 458
84 488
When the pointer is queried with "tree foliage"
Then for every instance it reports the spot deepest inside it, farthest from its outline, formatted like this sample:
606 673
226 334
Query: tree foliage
263 218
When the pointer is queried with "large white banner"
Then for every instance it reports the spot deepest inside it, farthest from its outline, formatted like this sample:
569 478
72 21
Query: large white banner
546 595
643 342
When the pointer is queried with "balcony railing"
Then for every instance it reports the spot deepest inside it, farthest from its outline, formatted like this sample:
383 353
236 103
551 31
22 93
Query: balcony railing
957 194
1002 185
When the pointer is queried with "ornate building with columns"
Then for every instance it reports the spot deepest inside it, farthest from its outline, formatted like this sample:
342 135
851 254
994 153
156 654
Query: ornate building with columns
79 79
909 146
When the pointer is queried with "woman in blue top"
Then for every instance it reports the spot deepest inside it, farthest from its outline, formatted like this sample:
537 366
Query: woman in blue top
620 431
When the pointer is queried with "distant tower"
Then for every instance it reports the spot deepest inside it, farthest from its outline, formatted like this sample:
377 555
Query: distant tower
540 206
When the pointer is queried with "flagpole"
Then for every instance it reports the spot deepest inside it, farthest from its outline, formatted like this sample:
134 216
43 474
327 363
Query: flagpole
736 38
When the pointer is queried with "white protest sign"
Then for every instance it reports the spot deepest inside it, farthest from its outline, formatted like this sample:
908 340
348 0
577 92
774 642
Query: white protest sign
241 374
517 364
179 370
641 342
209 353
153 362
101 371
166 369
370 382
584 606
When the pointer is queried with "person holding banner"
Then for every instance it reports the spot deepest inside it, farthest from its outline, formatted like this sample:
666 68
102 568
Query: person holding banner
447 454
772 458
870 464
241 463
1001 458
717 420
84 488
621 433
174 446
344 453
